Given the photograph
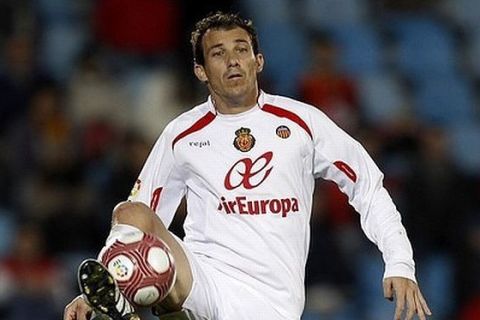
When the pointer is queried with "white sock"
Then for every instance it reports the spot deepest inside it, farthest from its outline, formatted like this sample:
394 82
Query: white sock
123 232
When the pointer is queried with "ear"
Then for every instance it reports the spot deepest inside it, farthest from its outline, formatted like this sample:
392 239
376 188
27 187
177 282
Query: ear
260 62
200 73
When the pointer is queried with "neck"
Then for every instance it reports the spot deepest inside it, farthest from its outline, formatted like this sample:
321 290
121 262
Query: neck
233 105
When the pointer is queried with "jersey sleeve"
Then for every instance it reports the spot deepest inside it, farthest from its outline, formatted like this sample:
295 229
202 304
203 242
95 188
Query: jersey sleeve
160 184
341 159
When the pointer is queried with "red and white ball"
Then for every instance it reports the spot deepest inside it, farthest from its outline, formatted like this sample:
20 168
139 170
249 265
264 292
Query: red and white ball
143 267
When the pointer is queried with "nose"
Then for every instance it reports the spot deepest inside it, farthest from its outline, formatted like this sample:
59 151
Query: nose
232 60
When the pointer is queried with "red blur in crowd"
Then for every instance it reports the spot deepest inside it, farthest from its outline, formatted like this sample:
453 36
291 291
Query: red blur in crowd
326 87
472 310
140 26
30 270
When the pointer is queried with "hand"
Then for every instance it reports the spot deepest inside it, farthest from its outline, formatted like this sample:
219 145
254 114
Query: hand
78 309
406 292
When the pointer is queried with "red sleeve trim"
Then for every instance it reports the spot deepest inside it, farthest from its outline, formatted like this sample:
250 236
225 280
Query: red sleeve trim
200 124
155 199
282 113
345 168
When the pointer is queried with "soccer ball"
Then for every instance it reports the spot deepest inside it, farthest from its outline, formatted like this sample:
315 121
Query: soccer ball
143 267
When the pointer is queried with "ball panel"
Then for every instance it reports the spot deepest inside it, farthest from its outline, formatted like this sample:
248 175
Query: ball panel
158 259
146 296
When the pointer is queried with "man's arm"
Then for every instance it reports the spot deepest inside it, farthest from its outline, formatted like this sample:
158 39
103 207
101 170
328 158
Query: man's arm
341 159
160 184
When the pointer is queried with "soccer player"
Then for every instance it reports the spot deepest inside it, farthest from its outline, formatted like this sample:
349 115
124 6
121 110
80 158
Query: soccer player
246 162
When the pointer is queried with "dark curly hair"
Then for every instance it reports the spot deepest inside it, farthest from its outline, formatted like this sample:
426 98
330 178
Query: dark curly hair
220 20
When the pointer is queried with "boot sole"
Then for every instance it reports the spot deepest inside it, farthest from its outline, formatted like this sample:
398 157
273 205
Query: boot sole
98 287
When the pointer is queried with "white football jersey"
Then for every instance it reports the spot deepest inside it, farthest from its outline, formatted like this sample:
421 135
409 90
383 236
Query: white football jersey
248 179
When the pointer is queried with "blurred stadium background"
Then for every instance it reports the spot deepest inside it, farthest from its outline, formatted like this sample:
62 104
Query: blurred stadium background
86 87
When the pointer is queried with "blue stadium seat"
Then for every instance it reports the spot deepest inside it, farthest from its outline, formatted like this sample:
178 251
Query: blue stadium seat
64 34
473 52
466 13
370 270
465 147
361 48
285 50
267 11
7 232
436 273
445 100
382 98
333 13
425 47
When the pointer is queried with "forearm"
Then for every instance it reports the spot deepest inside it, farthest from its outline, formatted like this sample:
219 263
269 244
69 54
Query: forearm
384 227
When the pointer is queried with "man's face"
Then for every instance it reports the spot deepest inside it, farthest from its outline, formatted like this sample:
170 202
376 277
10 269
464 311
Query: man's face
231 66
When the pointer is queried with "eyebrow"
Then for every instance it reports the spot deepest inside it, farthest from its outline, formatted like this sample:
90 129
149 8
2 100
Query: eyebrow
221 44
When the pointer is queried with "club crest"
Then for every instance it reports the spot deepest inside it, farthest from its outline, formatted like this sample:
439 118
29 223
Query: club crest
283 132
244 141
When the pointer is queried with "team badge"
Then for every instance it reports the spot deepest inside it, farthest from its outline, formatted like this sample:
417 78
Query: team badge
283 132
121 269
244 141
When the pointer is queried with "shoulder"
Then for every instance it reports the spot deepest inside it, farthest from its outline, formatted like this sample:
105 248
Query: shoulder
298 107
297 111
188 119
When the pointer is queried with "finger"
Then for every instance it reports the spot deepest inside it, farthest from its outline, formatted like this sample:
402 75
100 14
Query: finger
86 315
424 303
411 306
400 305
83 310
387 289
420 312
77 310
69 312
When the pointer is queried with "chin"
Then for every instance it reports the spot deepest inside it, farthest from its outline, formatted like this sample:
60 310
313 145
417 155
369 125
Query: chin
238 91
241 89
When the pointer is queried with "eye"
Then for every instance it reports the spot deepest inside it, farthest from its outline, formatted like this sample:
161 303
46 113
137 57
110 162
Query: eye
242 49
217 53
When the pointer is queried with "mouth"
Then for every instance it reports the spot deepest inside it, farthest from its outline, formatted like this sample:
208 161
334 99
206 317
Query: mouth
234 76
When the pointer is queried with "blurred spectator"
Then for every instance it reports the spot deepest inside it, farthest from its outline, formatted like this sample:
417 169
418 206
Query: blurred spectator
155 99
334 239
471 311
43 137
31 279
437 201
94 94
127 161
469 281
46 162
18 78
16 17
443 196
70 150
62 31
141 26
408 5
334 223
6 20
327 88
325 244
7 231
